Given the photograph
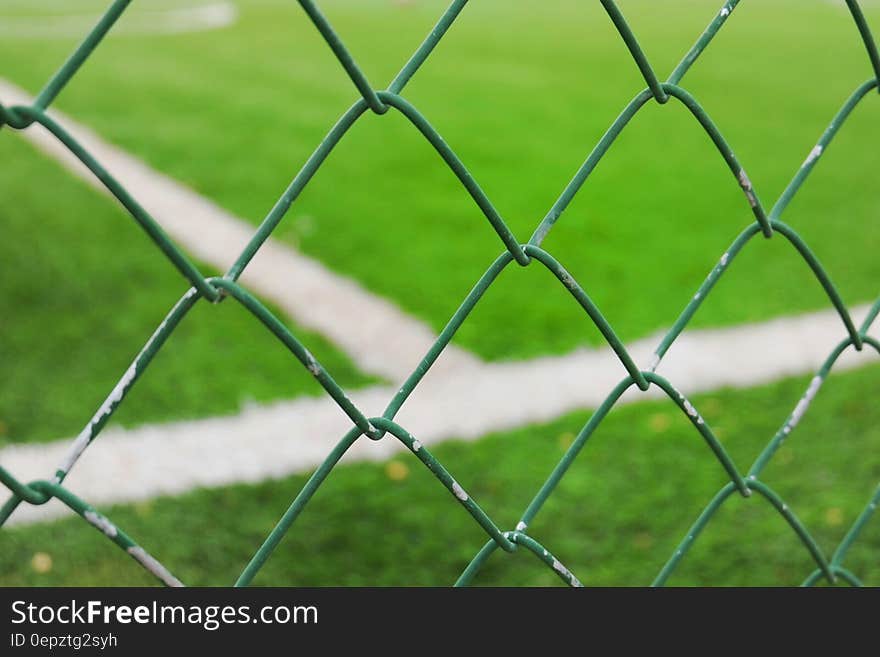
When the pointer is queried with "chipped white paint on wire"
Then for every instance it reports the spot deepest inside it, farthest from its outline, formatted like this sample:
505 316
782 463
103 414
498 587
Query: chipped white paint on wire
153 566
357 321
691 411
566 573
84 438
804 403
101 523
276 440
814 155
746 184
459 491
137 21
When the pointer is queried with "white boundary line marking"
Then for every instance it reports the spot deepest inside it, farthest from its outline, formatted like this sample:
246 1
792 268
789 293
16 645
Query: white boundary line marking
461 397
171 20
265 442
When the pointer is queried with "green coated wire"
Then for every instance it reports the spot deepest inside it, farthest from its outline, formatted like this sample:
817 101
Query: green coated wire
377 428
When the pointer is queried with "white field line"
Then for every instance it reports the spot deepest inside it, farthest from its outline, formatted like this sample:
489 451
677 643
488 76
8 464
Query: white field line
295 436
378 337
460 398
136 21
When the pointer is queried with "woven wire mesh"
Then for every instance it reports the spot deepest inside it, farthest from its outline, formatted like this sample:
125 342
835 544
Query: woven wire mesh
216 289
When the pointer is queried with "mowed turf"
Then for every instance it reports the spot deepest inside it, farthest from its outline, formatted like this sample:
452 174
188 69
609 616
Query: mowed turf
522 93
81 291
617 516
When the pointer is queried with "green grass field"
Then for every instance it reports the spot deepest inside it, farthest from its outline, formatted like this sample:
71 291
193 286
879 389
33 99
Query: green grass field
617 516
522 94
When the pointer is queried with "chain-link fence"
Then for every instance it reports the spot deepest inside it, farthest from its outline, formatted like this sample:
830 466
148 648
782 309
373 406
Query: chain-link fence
216 289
